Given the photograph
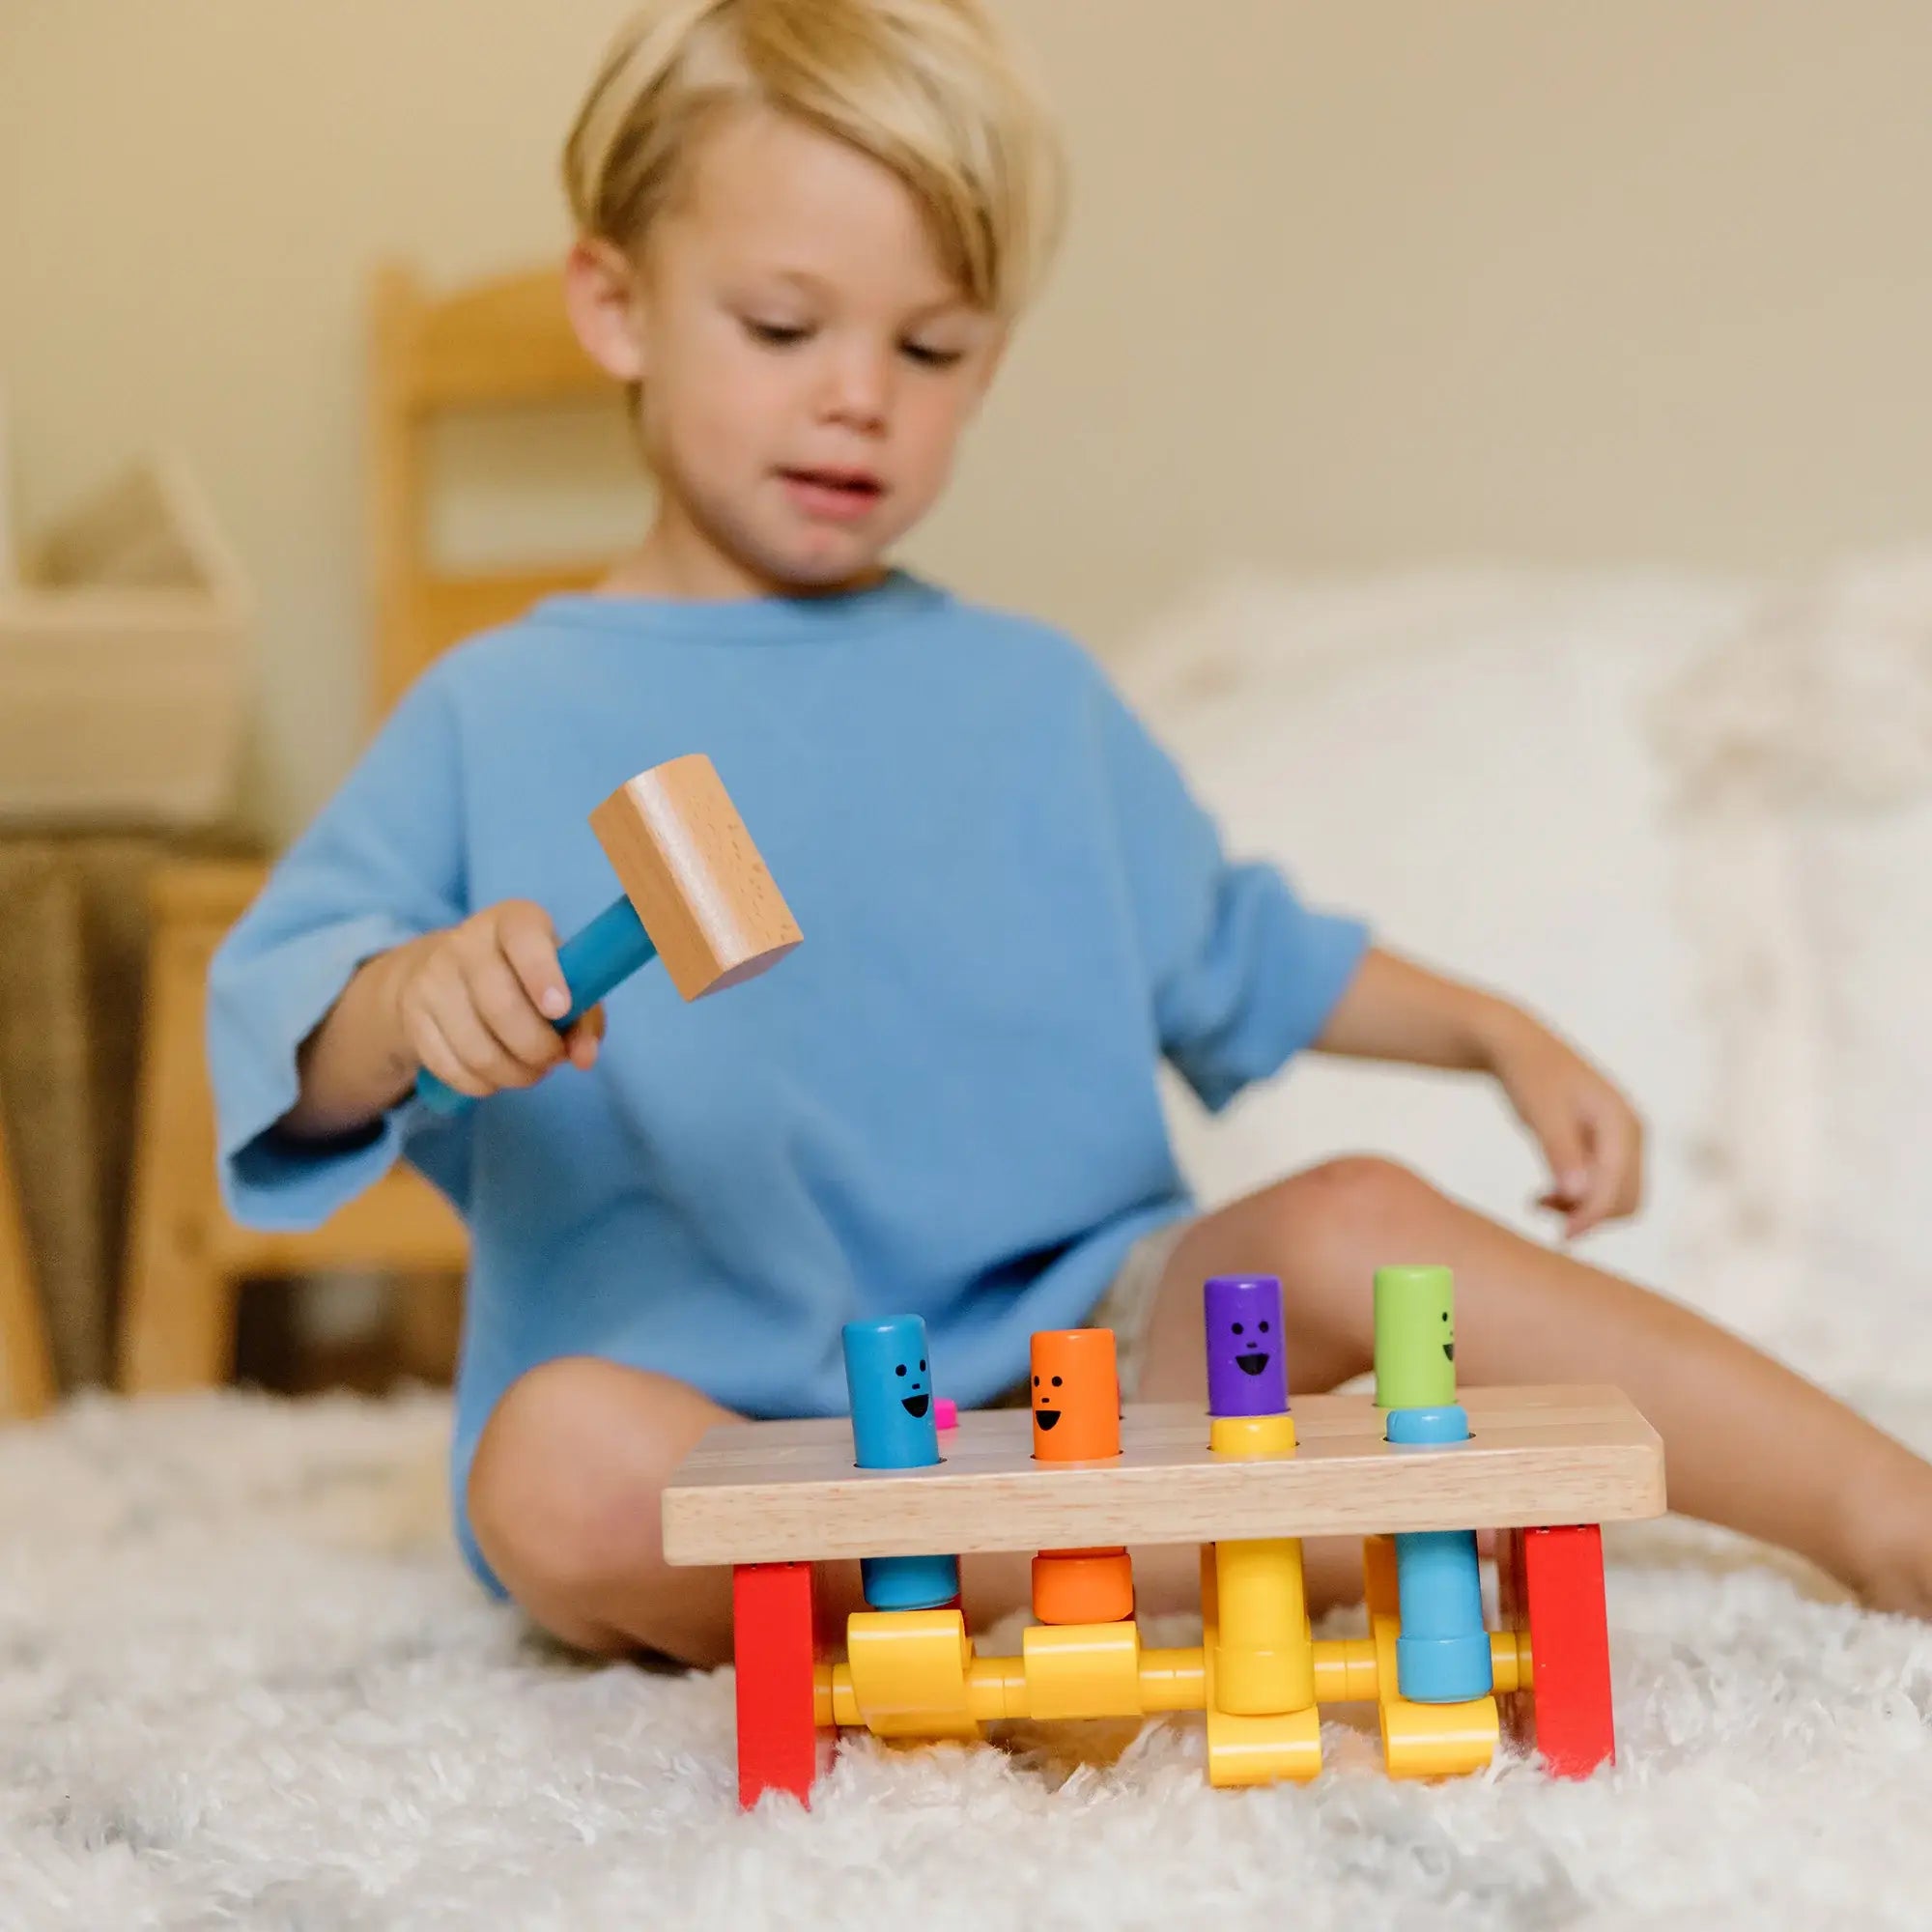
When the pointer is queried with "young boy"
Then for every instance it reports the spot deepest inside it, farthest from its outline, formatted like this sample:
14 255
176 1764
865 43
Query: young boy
805 230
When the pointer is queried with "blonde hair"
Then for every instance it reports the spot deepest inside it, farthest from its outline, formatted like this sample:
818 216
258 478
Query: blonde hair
929 89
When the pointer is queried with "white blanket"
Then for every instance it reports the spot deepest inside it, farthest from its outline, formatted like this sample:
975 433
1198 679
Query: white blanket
246 1683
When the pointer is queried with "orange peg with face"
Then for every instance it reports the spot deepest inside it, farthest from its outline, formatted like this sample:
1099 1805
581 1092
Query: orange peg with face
1076 1395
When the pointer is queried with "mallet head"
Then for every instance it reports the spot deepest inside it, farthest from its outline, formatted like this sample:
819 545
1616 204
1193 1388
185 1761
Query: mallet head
688 864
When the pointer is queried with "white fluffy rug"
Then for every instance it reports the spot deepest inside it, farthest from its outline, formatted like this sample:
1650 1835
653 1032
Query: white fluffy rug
244 1681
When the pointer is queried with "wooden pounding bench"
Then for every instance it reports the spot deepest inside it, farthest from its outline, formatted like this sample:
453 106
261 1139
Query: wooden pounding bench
1542 1465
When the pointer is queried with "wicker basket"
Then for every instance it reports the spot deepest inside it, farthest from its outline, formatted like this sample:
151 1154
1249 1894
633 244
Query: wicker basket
122 687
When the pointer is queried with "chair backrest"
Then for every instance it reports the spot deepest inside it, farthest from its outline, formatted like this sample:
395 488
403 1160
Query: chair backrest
495 345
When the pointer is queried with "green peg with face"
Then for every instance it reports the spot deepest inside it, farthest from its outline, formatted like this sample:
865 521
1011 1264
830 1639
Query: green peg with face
1415 1338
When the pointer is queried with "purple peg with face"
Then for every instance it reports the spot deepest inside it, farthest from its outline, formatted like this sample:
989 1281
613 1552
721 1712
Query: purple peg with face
1247 1362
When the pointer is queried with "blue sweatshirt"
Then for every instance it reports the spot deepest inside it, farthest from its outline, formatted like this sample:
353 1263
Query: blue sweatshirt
944 1102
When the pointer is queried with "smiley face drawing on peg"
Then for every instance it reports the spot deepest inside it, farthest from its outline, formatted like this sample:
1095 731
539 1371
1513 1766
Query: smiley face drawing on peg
1415 1337
1247 1356
1076 1395
888 1380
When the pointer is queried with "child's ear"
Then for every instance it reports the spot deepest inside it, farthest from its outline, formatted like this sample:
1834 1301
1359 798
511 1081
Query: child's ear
601 295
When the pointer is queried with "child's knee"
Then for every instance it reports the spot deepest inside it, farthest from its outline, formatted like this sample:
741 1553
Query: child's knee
1359 1204
564 1487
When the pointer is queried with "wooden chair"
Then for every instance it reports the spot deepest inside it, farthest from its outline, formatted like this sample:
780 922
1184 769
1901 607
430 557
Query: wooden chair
501 344
27 1385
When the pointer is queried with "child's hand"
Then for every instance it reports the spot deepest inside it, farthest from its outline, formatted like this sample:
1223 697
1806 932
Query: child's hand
1589 1133
475 1001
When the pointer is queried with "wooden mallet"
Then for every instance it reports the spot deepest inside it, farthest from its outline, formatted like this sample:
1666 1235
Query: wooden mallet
696 893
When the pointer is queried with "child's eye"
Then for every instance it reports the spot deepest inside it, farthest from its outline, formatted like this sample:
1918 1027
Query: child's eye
931 359
776 335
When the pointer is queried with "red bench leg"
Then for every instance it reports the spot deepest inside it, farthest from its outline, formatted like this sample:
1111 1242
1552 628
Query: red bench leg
1551 1584
780 1744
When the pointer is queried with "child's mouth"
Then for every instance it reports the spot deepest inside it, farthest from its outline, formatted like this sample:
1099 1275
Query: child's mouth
838 496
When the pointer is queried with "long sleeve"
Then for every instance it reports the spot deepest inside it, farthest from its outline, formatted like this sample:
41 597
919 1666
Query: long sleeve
381 863
1244 974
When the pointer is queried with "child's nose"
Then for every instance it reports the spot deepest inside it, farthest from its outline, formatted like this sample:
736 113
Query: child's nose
858 387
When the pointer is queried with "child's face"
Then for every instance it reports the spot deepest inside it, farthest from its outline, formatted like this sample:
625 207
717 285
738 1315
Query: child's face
807 366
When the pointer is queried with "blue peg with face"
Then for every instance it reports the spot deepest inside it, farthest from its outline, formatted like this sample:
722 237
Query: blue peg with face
888 1380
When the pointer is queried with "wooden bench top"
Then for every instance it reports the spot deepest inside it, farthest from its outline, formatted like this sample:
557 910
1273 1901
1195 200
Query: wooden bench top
788 1492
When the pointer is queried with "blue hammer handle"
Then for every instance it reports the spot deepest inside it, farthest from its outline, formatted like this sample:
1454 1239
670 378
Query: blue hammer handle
594 962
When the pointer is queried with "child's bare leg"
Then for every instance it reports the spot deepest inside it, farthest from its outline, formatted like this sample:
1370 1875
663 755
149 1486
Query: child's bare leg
565 1501
1747 1443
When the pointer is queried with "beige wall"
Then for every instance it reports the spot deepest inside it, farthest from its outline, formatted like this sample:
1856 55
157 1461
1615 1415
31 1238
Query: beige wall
1348 285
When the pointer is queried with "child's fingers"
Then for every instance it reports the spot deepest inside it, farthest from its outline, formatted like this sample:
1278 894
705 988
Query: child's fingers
583 1039
1572 1167
1630 1197
1592 1204
529 941
438 1056
474 1041
440 1010
1613 1149
1564 1147
1620 1152
504 1006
